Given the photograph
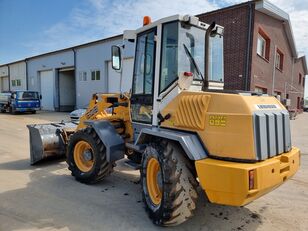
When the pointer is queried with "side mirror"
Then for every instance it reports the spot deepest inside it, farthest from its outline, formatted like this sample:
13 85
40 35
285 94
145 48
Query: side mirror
116 57
40 96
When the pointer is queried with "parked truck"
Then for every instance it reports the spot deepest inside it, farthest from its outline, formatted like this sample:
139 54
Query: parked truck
181 129
20 101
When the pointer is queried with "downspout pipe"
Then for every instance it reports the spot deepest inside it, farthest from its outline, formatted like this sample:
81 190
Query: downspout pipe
27 77
274 71
207 56
248 49
75 73
9 76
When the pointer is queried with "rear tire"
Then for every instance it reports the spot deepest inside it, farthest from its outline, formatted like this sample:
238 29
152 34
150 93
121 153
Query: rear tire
178 184
33 112
98 167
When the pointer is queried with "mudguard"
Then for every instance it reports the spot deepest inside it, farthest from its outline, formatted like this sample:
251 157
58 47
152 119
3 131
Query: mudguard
190 142
113 142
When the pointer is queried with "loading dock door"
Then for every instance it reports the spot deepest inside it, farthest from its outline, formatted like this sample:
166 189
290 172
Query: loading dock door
47 89
67 90
4 83
114 77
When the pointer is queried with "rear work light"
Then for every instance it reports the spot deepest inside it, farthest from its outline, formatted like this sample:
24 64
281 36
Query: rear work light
251 178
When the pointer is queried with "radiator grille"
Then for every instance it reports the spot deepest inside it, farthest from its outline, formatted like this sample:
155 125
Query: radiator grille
272 133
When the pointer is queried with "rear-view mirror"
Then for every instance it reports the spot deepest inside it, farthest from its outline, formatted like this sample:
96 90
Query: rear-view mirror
116 57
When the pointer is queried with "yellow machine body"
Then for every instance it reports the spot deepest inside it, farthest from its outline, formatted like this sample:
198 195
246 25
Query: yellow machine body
101 108
225 125
227 182
224 122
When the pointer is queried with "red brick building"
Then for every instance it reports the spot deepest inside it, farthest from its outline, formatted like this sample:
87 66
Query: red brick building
259 51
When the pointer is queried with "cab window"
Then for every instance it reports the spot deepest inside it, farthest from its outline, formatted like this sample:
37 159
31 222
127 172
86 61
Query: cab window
169 65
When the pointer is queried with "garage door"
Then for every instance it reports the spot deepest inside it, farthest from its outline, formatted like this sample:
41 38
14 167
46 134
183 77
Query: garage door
114 77
47 89
4 83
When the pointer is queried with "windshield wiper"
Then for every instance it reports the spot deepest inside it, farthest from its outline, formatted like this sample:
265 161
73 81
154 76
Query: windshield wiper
193 62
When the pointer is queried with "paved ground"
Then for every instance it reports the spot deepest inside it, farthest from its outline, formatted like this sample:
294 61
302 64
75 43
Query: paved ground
46 196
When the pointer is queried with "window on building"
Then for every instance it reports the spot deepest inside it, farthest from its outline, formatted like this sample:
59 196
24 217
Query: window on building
304 82
299 78
18 82
279 59
263 45
14 83
298 102
82 76
95 75
261 90
277 94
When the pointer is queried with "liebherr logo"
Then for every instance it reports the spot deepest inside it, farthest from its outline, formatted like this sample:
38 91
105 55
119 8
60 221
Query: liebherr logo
267 106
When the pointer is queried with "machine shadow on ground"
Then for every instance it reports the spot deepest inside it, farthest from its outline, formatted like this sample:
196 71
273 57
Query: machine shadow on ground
73 206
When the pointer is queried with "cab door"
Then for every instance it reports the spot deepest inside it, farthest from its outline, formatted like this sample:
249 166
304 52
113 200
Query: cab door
143 78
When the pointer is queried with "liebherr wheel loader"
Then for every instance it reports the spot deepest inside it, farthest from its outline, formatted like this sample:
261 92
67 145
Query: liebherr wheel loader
179 125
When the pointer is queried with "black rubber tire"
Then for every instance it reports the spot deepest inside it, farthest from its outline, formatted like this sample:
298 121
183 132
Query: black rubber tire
33 112
101 168
179 193
12 110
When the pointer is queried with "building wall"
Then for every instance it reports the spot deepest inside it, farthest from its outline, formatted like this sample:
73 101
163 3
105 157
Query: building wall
95 57
264 74
262 69
4 78
235 21
18 76
296 92
47 62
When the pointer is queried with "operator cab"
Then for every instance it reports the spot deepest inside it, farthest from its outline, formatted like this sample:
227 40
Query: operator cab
170 56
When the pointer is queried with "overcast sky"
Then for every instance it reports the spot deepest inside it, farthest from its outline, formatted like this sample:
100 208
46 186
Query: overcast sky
30 27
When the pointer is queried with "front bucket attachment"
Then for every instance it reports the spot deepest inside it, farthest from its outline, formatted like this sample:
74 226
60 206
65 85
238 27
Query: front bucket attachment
48 140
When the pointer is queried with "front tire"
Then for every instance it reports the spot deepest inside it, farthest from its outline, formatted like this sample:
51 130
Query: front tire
86 157
168 185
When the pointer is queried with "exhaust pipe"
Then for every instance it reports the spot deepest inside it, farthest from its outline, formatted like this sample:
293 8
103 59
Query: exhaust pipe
49 140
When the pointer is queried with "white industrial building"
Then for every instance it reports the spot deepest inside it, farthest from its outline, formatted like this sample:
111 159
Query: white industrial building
13 76
4 78
67 78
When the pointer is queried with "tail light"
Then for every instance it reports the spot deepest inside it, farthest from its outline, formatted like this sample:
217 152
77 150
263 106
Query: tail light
251 178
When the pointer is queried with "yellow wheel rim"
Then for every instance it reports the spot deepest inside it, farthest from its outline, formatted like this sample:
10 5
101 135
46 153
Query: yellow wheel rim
83 156
153 180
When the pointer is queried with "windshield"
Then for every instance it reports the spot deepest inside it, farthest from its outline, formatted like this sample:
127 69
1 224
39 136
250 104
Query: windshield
192 43
183 51
27 95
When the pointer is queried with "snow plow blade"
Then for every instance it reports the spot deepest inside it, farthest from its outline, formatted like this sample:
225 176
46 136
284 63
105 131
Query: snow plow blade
49 140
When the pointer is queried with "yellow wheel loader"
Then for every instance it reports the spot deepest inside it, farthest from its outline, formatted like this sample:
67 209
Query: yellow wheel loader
179 126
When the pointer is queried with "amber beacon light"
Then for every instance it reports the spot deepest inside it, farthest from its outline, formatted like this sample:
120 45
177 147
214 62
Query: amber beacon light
146 20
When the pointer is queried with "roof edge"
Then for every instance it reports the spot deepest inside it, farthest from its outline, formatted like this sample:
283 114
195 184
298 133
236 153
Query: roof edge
303 58
64 49
268 8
